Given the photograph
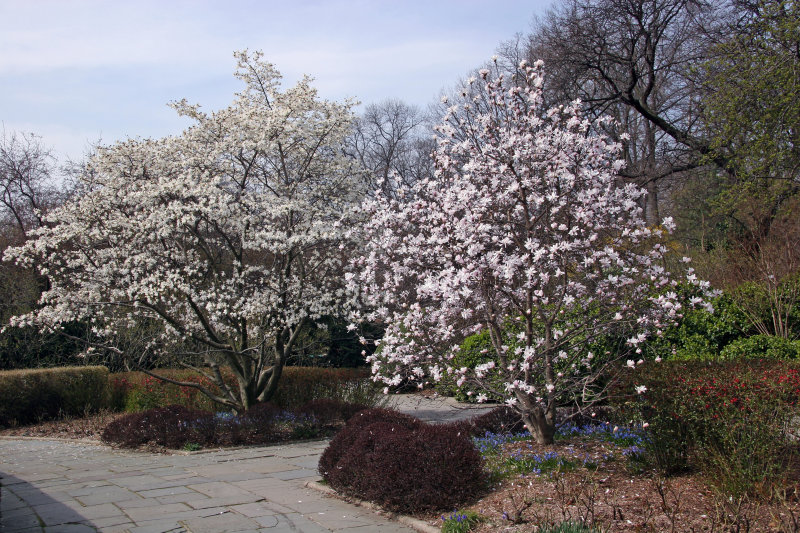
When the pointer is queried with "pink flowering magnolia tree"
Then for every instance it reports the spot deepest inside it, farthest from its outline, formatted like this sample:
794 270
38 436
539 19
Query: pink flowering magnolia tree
525 231
230 237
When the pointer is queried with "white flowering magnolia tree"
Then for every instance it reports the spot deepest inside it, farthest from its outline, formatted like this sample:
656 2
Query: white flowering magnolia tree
231 236
525 232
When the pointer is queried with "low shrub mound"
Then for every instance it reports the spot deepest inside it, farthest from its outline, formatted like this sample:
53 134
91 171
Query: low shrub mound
344 440
331 412
177 426
404 464
255 426
33 395
173 426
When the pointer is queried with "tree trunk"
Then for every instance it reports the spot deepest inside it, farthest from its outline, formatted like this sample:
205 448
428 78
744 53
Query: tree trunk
542 431
541 423
651 211
281 352
651 207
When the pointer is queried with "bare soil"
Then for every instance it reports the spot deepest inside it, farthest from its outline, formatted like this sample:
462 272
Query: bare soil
89 427
613 498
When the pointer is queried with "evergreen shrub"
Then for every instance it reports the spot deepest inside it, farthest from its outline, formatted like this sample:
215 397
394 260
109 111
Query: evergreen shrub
28 396
762 346
702 335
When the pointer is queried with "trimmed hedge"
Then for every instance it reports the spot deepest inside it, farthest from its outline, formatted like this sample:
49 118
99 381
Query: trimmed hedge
404 464
136 391
28 396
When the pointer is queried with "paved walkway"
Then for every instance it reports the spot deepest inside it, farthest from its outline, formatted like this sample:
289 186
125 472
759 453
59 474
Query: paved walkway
68 487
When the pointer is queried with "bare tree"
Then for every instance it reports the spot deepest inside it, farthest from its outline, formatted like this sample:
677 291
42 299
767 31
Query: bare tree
393 142
633 60
27 187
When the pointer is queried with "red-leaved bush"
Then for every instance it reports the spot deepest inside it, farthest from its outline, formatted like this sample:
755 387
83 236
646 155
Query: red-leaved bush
499 420
172 427
732 420
176 426
404 464
331 412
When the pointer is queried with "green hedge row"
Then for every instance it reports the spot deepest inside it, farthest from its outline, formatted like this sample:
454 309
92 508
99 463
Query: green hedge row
28 396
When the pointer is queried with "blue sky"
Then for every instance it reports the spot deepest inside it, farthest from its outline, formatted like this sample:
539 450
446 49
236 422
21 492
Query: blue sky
81 71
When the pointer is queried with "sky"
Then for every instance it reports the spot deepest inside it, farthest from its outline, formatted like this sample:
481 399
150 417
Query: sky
79 72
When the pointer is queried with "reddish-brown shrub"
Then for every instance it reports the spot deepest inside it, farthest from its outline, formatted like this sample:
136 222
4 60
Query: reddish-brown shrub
343 441
172 426
175 426
403 464
255 426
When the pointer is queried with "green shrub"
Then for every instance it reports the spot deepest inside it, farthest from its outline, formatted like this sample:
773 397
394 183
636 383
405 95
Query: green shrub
700 334
759 346
728 419
475 350
28 396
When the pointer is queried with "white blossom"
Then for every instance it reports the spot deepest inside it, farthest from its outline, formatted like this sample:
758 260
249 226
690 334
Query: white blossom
231 236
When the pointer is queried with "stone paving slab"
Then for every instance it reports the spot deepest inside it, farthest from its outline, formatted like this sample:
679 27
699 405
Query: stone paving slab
77 487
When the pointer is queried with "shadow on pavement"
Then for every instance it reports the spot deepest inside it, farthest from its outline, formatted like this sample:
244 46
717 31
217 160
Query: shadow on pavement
25 508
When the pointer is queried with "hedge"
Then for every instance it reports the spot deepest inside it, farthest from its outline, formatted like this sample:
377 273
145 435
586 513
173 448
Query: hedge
32 395
136 391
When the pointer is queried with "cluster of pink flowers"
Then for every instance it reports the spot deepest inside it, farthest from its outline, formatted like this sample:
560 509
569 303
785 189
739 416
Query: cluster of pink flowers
526 221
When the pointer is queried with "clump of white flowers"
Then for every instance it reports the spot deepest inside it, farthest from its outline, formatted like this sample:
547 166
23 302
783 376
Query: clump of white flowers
231 236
